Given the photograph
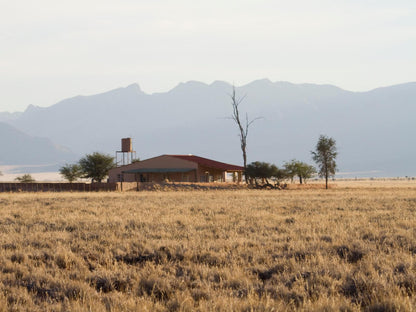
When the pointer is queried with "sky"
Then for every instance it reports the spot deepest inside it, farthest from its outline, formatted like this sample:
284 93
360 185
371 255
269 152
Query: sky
51 50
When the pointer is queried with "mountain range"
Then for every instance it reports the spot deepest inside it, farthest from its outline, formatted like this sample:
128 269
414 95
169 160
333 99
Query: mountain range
33 153
375 130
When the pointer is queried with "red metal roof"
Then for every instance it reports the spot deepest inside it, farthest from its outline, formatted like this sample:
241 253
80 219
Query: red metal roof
209 163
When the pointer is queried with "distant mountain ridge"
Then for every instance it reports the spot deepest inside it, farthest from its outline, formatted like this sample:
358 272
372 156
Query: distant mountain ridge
18 148
6 116
374 130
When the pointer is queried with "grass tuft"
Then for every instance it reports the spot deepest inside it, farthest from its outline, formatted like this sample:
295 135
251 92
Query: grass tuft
345 249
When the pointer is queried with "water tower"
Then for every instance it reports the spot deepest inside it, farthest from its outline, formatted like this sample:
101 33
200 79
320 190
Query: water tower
126 155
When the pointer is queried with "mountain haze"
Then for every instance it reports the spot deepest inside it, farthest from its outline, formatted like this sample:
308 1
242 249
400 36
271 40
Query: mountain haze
374 130
18 148
6 116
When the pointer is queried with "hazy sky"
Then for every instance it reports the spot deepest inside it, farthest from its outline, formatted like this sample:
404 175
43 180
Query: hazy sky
51 50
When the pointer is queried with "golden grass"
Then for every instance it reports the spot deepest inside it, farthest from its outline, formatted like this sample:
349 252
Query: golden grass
347 248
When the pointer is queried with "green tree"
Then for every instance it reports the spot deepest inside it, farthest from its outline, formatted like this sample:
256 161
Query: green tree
300 169
305 172
260 170
280 174
96 166
290 168
325 155
71 172
26 178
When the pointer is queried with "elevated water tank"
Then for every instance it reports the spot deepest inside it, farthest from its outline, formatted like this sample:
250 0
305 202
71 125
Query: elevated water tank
126 145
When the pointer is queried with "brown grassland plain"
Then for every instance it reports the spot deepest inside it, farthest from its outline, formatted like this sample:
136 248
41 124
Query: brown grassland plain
349 248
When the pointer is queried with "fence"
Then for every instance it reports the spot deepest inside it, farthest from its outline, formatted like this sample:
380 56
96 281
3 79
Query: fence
108 187
57 187
138 186
177 186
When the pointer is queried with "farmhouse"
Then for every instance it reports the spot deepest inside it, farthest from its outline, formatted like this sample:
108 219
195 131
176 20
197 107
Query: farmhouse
176 168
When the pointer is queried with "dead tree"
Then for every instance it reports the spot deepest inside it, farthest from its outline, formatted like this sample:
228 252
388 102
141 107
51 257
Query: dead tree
243 127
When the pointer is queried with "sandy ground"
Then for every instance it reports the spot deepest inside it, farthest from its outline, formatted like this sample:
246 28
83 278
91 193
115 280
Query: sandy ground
11 172
40 177
381 182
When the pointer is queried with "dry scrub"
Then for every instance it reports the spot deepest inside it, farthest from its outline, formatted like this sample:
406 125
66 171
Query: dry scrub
243 250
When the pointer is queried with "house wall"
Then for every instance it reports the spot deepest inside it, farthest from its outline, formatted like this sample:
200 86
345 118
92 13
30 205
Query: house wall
158 177
197 174
206 174
163 161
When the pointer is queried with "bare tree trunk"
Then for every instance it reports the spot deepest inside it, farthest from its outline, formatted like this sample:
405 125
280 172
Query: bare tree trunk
235 102
244 159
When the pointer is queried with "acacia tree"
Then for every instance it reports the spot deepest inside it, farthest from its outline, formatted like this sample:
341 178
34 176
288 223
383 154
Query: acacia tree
280 174
325 155
260 170
305 172
300 169
26 178
290 168
71 172
264 171
96 166
243 126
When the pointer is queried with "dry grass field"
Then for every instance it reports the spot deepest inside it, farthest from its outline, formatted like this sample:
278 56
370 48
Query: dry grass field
349 248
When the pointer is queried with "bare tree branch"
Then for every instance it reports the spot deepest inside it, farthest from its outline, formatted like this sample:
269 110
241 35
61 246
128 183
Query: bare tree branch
243 127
